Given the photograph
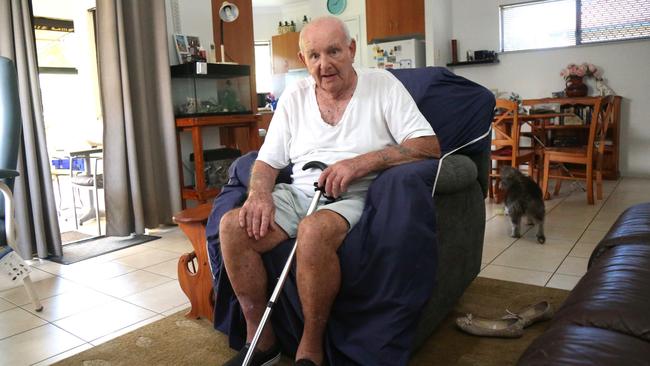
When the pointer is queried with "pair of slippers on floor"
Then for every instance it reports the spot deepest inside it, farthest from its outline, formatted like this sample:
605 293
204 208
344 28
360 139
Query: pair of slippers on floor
509 326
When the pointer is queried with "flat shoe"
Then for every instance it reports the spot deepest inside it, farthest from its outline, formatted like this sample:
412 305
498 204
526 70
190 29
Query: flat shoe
504 328
532 313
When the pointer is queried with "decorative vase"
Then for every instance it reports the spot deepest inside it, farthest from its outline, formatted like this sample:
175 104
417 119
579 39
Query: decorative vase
575 87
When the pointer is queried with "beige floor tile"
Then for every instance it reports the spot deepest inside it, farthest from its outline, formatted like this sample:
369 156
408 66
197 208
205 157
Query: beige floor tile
6 305
185 307
564 233
536 258
592 236
45 288
125 330
130 283
483 265
70 303
124 252
497 232
160 298
103 320
16 321
515 275
573 266
602 224
583 250
179 246
168 269
562 281
565 220
530 241
90 273
147 258
36 345
64 355
50 267
490 252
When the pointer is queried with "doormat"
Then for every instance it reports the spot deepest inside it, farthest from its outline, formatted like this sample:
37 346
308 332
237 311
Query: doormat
70 236
93 247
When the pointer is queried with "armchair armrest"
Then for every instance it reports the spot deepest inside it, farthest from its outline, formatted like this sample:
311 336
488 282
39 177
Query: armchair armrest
457 173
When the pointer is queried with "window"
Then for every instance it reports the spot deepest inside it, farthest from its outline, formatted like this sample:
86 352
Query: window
263 67
561 23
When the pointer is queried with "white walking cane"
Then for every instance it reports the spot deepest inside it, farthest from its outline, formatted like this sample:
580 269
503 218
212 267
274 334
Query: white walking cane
283 276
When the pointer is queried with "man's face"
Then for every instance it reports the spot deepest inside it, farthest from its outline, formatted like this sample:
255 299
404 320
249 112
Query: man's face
328 57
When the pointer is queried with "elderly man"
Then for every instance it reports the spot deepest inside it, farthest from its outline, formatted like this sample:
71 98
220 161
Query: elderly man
359 122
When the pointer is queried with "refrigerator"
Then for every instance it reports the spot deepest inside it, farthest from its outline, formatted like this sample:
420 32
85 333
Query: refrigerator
404 54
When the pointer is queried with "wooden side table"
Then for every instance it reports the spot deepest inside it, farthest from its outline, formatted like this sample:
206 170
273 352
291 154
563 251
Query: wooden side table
237 131
195 277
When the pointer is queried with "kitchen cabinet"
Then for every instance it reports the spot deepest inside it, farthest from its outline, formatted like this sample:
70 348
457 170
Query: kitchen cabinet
390 19
285 50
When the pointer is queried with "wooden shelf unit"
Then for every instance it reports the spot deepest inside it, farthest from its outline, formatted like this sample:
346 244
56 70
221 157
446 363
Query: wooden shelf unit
239 131
476 62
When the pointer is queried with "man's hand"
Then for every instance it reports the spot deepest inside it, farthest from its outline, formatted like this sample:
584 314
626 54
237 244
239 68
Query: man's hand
257 214
337 177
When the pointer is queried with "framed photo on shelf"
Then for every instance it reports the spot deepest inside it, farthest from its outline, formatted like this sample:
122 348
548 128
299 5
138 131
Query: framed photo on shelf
182 48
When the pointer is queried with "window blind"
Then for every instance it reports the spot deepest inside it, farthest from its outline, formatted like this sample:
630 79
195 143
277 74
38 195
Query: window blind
541 24
609 20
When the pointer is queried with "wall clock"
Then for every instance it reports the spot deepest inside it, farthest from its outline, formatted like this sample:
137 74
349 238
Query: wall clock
336 7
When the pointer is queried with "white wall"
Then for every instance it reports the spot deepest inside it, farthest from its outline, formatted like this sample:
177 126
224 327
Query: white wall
265 20
194 19
532 74
438 27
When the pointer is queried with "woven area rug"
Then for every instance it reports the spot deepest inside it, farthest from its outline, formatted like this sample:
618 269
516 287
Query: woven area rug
89 248
177 341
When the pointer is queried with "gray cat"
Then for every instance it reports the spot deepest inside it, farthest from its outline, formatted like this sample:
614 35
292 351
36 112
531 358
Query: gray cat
523 197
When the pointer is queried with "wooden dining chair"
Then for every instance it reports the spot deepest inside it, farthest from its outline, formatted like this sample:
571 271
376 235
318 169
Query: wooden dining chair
591 155
506 149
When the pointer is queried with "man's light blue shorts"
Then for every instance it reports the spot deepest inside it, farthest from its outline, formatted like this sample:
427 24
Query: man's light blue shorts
291 205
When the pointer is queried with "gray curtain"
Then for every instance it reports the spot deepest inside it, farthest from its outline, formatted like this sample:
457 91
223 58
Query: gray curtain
140 159
36 219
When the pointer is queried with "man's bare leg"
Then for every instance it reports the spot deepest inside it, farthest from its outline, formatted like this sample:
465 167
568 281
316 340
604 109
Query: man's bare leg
243 261
318 276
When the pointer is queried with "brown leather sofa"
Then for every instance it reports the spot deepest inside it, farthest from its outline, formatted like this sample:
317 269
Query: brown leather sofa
606 318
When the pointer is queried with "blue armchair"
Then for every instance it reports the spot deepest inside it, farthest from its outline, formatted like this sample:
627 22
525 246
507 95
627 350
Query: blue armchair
410 258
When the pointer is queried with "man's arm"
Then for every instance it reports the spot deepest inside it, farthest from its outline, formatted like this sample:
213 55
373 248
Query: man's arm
338 177
257 213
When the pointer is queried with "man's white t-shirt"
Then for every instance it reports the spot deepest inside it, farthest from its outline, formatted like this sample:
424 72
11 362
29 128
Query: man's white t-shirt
380 113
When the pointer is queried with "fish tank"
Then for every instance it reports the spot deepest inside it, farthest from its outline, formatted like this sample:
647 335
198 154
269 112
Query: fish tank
202 89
